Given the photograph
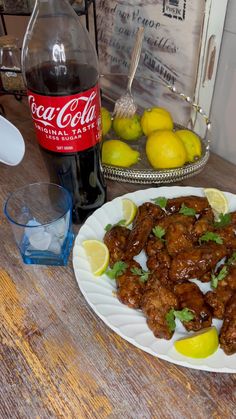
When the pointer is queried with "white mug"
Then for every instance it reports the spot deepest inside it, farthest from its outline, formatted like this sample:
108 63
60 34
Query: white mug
12 145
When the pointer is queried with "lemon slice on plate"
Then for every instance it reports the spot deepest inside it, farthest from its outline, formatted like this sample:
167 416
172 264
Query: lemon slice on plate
97 254
217 200
129 211
200 344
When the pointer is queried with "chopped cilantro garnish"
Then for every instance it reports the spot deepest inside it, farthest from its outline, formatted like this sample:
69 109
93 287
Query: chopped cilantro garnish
216 278
209 235
159 232
161 201
109 226
118 269
187 211
232 259
141 273
184 315
223 220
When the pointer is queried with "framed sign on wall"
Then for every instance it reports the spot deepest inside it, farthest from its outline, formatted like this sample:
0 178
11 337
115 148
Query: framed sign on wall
181 47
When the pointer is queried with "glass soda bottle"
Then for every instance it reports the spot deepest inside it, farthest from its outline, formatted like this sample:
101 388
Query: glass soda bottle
60 69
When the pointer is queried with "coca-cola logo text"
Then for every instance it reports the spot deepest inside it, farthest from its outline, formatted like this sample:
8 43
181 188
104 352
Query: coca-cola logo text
79 110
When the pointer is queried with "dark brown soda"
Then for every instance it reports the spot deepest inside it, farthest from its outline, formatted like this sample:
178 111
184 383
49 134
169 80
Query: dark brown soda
80 172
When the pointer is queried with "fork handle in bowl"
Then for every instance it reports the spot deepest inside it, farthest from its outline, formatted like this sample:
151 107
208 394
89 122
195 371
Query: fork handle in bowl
135 56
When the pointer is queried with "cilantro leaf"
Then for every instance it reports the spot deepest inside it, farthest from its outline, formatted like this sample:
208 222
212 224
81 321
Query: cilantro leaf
118 269
209 235
187 211
184 315
232 259
141 273
170 319
109 226
161 201
223 220
159 232
216 278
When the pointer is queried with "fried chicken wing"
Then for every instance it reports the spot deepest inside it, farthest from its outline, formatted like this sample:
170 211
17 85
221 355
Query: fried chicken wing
228 329
204 223
226 287
161 260
178 239
138 237
166 221
198 203
150 210
129 286
228 234
116 240
191 297
153 245
194 263
159 276
156 303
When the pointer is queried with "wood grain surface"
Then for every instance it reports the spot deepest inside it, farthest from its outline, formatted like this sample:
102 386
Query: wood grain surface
57 358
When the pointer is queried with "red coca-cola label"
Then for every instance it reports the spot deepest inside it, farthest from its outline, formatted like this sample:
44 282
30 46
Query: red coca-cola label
67 123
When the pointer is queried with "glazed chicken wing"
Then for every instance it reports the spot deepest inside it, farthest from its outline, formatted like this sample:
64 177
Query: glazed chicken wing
129 286
138 238
198 203
116 240
156 303
226 287
166 221
191 297
194 263
178 239
146 217
150 210
228 330
204 223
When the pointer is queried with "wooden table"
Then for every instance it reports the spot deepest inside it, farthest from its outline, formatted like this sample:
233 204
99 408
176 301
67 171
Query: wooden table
58 359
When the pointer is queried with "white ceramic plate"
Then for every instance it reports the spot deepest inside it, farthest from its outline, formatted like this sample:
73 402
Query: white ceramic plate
128 323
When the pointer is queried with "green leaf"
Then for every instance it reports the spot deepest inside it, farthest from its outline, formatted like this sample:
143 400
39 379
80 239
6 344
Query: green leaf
159 232
184 315
109 226
161 201
216 278
232 259
187 211
141 273
118 269
209 235
223 220
170 319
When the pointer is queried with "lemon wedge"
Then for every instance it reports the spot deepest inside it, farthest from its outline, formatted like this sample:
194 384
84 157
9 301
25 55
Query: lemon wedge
200 344
217 200
97 254
129 210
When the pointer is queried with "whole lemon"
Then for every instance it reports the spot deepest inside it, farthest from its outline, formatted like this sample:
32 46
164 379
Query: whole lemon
192 143
118 153
106 121
165 150
128 128
154 119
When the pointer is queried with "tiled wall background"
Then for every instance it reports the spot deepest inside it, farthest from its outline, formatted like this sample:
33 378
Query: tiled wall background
223 112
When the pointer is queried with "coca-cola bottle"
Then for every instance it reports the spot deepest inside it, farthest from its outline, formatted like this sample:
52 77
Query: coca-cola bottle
60 68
